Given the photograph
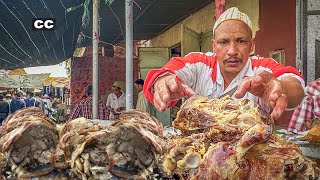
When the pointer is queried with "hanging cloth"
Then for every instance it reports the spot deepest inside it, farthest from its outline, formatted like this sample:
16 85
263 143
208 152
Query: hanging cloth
220 7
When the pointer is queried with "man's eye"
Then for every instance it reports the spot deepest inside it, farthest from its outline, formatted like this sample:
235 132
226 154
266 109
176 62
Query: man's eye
241 41
223 42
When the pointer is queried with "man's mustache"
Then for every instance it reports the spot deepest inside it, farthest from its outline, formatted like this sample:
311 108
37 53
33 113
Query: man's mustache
232 59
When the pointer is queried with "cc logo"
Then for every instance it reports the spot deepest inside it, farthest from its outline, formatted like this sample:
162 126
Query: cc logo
44 24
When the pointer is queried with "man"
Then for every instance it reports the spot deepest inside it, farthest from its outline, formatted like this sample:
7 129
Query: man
175 53
17 103
37 95
24 95
4 109
142 103
308 110
263 80
26 100
8 98
31 101
84 108
47 105
116 101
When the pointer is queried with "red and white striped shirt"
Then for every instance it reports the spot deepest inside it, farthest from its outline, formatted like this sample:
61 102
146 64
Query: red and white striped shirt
201 73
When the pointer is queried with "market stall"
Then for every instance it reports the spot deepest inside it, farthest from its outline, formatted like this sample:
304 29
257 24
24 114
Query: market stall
11 81
59 89
111 69
23 81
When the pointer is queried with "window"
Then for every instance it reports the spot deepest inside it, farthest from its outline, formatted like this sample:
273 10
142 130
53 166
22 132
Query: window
278 55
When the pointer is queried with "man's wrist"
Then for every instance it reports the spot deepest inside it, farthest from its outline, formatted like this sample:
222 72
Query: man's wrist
284 87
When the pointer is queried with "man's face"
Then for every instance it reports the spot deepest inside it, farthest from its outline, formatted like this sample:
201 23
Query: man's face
115 89
139 87
232 44
175 55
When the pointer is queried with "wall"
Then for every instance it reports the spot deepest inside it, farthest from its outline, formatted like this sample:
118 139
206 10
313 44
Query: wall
299 18
110 70
277 29
203 20
313 33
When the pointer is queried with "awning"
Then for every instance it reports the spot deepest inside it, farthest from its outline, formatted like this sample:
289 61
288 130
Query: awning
23 81
57 81
17 72
22 47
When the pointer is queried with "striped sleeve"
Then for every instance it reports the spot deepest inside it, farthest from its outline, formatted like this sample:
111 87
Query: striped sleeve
187 69
274 67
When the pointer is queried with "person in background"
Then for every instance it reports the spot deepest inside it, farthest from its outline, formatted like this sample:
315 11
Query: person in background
309 109
116 101
46 105
37 95
8 98
230 71
84 108
32 101
17 103
56 101
4 109
142 103
26 100
24 95
175 53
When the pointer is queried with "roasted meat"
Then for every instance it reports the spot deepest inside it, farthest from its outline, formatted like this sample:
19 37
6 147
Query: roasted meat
28 139
274 159
184 153
131 147
16 119
148 122
201 114
236 142
72 134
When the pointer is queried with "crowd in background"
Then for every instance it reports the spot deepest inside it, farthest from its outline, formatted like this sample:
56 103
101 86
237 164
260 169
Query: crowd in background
10 104
110 110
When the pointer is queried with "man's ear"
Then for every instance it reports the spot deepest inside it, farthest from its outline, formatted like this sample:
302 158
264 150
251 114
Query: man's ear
213 42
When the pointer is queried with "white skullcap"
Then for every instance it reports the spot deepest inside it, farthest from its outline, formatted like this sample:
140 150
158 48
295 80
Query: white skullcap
233 13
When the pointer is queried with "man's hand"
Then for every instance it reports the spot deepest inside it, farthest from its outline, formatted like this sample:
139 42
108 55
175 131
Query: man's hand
111 109
168 89
120 109
268 88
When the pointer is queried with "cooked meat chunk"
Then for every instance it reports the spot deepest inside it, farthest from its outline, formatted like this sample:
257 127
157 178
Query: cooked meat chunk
28 139
236 142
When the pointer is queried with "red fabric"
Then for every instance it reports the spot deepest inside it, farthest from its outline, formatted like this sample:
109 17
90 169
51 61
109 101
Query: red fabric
308 109
110 70
276 68
220 7
84 109
174 64
147 88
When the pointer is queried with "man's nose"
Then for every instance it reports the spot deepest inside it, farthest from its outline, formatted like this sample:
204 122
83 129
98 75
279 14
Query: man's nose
233 49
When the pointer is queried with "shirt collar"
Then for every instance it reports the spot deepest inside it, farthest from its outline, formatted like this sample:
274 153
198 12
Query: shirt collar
246 71
122 94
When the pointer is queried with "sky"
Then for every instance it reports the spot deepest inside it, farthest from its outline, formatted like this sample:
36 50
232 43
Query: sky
55 70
